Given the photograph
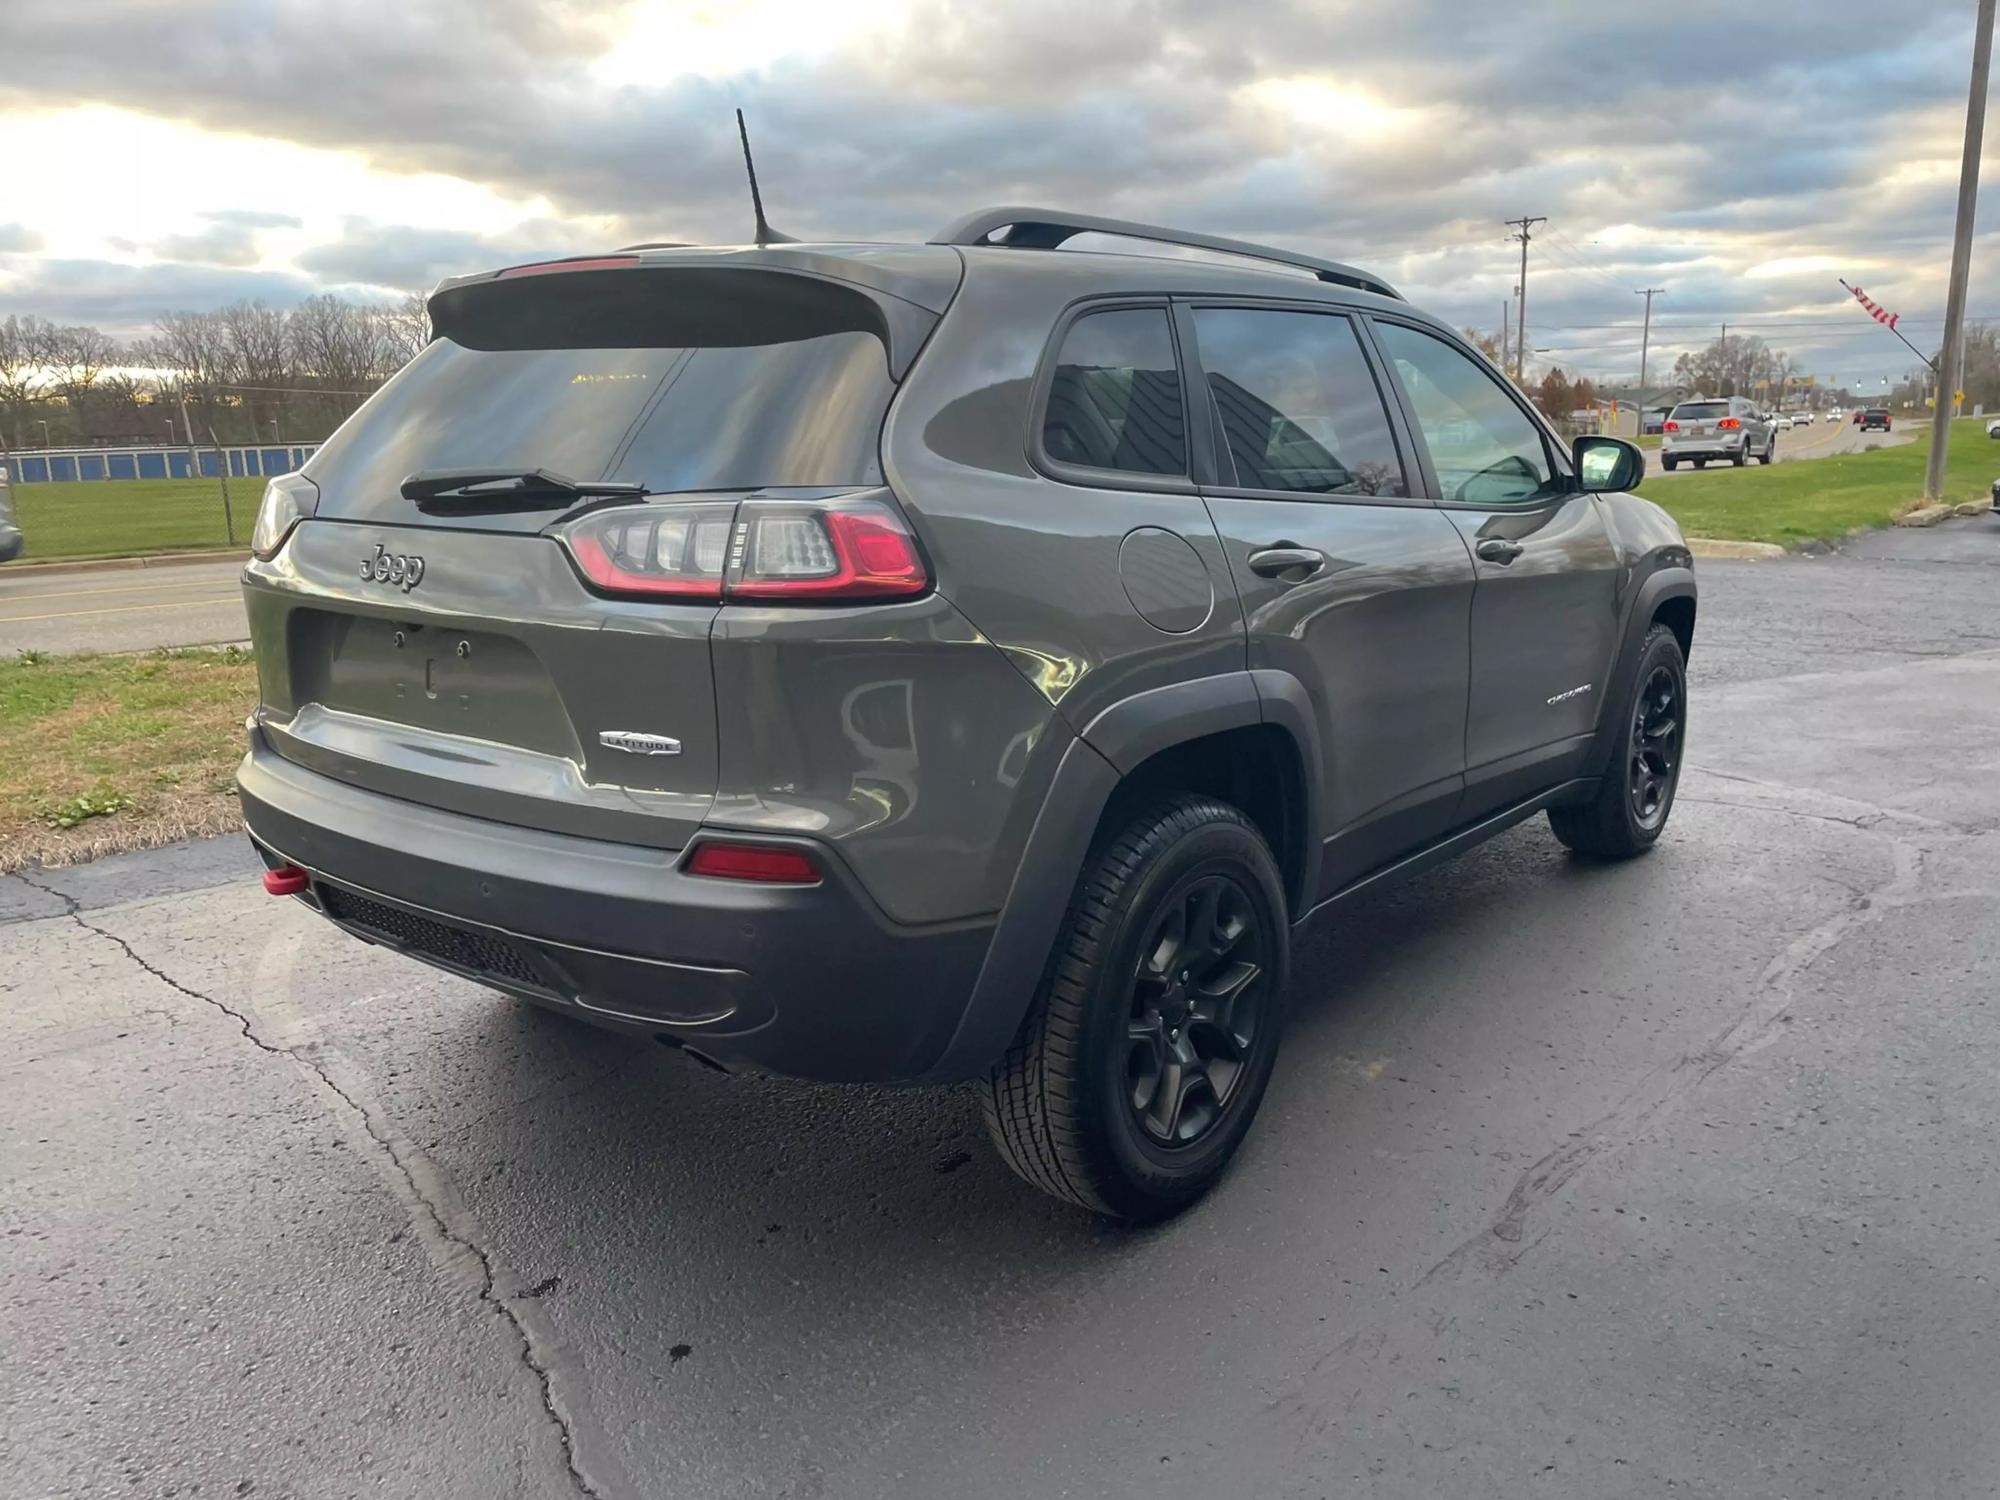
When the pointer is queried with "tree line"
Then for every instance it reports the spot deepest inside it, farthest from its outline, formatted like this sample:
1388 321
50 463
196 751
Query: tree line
247 372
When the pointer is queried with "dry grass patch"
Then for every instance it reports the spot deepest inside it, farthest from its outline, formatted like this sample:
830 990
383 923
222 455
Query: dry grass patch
101 753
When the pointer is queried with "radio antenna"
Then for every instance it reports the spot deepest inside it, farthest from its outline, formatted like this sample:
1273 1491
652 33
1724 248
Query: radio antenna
766 235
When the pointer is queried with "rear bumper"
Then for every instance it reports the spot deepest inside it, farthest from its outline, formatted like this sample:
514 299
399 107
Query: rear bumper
1705 448
809 981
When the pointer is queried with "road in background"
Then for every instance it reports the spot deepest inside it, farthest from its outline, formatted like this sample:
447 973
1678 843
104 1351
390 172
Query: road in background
121 609
1820 440
1574 1180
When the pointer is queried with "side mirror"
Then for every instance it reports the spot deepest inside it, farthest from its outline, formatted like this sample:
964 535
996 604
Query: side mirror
1606 463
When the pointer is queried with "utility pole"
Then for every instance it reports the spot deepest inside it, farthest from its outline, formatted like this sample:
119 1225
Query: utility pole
1645 337
1722 362
1525 223
1506 322
1951 356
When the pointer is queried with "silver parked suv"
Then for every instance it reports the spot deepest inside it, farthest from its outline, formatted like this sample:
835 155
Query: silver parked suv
961 661
1730 427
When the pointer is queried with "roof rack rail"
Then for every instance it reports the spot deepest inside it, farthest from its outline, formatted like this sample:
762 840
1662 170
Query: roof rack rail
1047 228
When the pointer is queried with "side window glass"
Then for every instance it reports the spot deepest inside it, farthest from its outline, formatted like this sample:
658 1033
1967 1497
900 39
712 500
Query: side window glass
1299 407
1115 402
1485 449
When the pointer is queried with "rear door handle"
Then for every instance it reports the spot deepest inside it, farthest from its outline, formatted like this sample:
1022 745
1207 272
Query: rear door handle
1276 562
1498 550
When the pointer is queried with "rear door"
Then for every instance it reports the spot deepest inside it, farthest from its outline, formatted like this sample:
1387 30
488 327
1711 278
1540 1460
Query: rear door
1350 584
453 654
1545 613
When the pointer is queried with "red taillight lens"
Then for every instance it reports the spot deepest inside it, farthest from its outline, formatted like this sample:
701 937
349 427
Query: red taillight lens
853 550
593 263
770 864
664 551
286 880
1670 427
785 550
1728 423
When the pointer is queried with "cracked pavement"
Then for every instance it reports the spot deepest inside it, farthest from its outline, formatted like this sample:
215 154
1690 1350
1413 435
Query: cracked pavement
1574 1180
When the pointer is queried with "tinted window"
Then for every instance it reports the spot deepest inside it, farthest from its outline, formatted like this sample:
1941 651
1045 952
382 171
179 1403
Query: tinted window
1485 448
1299 408
1700 411
807 412
1115 402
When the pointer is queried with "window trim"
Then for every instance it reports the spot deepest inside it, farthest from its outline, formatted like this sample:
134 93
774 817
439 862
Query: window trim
1050 467
1195 371
1554 452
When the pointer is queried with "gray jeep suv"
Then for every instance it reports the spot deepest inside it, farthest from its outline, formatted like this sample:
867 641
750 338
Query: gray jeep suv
947 662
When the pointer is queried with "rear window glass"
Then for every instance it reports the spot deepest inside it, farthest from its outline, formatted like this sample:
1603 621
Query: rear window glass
1700 411
1115 402
805 412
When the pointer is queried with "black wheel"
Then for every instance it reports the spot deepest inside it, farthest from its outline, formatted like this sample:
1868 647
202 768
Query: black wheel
1742 455
1770 450
1637 791
1143 1059
1669 464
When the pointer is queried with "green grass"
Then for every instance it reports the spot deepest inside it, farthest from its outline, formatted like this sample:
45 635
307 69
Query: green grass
118 752
130 517
1823 498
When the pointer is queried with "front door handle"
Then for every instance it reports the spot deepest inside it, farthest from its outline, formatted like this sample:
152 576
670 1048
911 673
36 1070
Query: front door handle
1285 559
1497 549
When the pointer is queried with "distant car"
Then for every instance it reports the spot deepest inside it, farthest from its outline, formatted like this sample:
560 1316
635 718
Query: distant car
1725 427
1874 418
1782 422
1808 418
10 534
1993 429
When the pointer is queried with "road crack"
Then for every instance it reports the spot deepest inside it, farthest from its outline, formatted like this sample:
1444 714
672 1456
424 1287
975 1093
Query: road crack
424 1188
1502 1243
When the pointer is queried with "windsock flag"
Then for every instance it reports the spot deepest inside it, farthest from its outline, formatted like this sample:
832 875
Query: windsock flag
1875 309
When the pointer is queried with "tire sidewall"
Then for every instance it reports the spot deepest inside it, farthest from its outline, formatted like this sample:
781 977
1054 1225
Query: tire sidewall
1156 1179
1661 648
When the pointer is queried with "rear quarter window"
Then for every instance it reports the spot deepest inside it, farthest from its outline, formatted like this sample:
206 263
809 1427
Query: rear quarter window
1115 400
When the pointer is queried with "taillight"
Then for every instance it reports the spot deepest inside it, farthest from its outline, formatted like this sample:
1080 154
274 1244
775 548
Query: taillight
768 864
1670 427
1728 422
288 500
793 551
839 550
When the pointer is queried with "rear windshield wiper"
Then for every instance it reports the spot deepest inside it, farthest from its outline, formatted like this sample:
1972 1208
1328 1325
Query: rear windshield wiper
504 489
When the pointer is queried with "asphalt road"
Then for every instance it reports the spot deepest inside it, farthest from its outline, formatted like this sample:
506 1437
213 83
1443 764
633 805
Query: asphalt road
1675 1177
121 609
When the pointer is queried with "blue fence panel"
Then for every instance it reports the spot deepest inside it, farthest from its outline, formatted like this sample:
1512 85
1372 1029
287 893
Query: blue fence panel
151 465
34 471
236 470
210 463
276 460
121 466
62 469
90 466
178 466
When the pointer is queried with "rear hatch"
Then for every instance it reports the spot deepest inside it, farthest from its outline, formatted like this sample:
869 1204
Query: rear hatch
1696 419
448 649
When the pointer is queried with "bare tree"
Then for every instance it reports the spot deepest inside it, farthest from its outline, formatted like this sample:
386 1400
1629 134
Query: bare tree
195 360
406 327
24 379
339 349
261 346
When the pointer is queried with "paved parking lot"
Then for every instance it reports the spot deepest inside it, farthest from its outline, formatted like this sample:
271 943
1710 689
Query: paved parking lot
121 608
1673 1177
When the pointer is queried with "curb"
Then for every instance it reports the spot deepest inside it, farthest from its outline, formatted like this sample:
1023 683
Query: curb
94 564
1704 546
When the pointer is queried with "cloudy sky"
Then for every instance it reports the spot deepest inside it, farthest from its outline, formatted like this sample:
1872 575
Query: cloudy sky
168 154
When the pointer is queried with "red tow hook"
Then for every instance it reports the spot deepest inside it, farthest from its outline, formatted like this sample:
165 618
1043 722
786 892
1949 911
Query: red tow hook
286 880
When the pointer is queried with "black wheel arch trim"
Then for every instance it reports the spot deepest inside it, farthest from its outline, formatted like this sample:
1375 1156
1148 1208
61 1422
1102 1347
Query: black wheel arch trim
1117 741
1669 582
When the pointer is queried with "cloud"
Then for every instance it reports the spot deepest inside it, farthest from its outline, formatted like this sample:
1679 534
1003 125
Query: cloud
124 300
19 239
405 258
1397 139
